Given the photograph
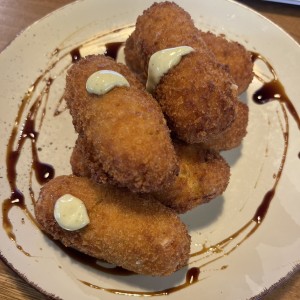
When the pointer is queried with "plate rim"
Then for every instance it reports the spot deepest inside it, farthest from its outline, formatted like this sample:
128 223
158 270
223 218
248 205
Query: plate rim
265 291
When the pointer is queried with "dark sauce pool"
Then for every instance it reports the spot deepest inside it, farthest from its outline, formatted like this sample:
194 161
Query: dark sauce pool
273 90
43 171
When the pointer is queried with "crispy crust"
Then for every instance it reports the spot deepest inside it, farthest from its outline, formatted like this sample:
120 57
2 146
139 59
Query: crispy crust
234 56
204 175
132 231
124 131
197 95
234 135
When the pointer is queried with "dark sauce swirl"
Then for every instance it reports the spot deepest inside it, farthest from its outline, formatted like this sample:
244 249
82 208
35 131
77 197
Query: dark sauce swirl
112 49
268 92
273 90
75 54
192 276
29 130
43 171
93 262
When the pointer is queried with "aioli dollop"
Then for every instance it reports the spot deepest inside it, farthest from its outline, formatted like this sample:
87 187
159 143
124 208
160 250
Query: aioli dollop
162 61
70 213
103 81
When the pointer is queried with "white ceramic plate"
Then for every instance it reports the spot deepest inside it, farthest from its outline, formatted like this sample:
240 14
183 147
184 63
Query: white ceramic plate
252 260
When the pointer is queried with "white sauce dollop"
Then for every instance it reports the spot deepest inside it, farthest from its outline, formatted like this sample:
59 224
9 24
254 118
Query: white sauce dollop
101 82
162 61
70 213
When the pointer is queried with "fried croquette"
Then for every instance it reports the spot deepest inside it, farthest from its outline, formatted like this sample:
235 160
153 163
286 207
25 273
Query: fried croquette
132 231
204 175
80 162
83 165
234 135
198 96
234 56
124 130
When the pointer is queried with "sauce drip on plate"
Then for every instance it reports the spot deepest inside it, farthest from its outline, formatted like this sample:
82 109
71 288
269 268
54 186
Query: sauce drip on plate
43 171
26 128
273 90
112 49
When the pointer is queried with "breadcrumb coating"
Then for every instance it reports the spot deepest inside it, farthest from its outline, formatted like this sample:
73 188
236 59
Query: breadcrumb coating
197 95
234 135
204 175
234 56
124 131
132 231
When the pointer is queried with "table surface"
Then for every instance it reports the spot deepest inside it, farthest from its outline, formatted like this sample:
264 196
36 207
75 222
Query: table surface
15 15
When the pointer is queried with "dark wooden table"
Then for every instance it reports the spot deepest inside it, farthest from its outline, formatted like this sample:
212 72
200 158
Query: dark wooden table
16 15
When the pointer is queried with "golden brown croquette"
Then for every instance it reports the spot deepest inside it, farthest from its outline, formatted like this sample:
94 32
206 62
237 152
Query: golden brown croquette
124 130
234 135
234 56
132 231
204 175
198 96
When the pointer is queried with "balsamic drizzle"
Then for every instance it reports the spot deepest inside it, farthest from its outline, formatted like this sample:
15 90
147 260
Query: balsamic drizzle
57 110
270 91
93 262
43 171
75 54
29 130
112 49
273 90
266 93
192 276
